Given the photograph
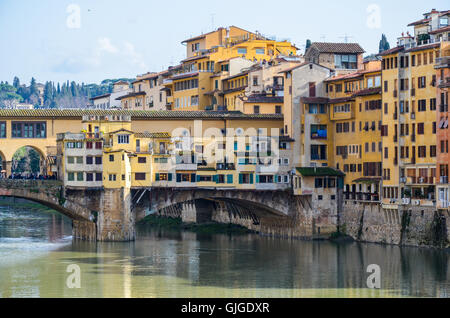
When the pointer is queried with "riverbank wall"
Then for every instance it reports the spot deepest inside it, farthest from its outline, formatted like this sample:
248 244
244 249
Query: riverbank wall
400 225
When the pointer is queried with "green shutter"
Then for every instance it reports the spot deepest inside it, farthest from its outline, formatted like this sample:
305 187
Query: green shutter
230 178
170 177
251 179
215 179
241 179
157 177
257 178
193 177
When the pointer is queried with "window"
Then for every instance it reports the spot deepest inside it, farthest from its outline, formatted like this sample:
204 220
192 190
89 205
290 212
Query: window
277 109
79 160
255 80
422 151
422 105
421 81
28 130
420 128
98 160
89 145
71 176
3 129
70 160
242 50
142 160
256 109
318 152
345 61
123 139
99 176
89 177
98 145
112 177
80 176
432 151
245 178
111 158
139 176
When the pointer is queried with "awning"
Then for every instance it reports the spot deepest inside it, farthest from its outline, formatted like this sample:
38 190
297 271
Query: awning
367 180
320 172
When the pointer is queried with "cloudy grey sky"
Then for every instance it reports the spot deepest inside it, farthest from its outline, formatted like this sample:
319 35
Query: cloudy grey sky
90 40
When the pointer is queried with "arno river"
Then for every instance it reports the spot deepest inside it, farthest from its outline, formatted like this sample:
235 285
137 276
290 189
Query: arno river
36 248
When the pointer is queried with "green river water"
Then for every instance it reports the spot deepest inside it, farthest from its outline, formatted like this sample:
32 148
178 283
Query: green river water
36 248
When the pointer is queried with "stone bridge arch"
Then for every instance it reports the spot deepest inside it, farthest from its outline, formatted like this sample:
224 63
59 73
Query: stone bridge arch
51 194
279 203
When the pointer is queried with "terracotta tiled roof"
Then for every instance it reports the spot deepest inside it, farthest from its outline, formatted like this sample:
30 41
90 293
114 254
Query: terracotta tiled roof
368 91
340 100
444 29
135 114
314 100
100 96
185 75
419 22
152 135
423 47
391 51
264 99
130 95
326 47
344 76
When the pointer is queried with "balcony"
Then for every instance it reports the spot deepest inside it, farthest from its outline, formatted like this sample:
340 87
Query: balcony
225 166
319 134
443 108
420 180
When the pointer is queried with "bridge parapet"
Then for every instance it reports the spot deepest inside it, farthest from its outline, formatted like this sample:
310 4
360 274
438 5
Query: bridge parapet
41 185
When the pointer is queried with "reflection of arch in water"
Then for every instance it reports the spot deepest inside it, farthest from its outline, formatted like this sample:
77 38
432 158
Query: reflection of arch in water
42 158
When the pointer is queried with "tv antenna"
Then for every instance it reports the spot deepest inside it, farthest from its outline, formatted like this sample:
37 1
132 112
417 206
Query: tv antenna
212 20
346 37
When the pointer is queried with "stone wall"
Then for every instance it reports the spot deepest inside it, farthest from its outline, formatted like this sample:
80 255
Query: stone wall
406 225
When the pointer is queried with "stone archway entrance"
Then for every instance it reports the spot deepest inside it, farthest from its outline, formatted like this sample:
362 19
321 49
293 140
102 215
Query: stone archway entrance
27 162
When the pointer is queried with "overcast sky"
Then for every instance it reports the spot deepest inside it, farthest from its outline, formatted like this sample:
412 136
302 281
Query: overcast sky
91 40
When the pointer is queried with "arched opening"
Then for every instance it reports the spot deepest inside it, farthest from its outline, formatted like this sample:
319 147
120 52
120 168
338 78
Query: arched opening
28 163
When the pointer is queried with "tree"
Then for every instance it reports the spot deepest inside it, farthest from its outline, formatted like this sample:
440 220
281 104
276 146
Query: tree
384 44
16 82
8 96
308 44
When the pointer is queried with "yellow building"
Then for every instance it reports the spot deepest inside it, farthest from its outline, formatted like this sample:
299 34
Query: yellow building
355 111
207 63
409 118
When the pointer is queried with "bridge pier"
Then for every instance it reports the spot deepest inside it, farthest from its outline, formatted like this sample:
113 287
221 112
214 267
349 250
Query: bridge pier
84 230
116 222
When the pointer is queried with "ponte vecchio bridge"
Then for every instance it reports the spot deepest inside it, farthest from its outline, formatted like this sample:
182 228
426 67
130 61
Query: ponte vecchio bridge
110 214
